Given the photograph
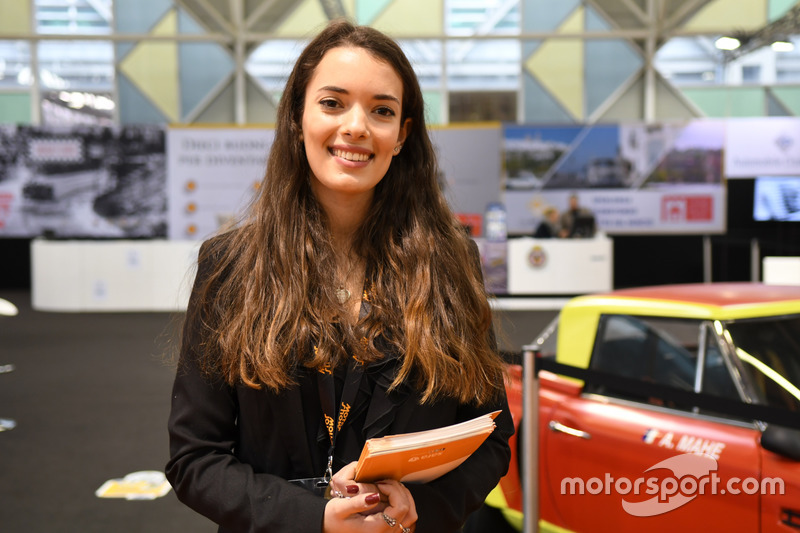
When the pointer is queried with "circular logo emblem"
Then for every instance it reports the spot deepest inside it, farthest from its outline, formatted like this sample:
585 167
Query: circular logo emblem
537 258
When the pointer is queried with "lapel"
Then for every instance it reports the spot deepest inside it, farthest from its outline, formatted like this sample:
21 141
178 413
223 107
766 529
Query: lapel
288 412
387 410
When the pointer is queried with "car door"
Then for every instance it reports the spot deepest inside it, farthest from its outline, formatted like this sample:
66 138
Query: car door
614 462
780 486
767 356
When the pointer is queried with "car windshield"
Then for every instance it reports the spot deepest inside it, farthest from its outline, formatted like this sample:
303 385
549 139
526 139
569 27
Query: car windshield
769 350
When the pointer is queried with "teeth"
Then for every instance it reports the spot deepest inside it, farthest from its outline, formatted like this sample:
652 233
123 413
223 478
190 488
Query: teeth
351 156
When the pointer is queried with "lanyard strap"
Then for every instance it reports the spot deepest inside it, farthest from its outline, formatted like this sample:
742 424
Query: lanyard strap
335 419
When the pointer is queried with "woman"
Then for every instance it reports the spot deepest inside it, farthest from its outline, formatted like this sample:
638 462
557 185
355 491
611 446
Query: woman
276 335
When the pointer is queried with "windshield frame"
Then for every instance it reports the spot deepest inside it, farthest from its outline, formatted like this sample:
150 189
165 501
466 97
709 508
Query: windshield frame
731 338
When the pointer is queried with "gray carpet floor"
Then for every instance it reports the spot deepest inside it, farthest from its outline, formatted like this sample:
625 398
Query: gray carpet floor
89 393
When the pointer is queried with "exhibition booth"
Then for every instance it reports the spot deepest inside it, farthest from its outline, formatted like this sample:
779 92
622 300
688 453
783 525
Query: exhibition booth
117 214
156 275
560 266
111 275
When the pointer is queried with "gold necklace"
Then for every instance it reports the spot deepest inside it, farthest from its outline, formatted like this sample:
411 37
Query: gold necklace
342 294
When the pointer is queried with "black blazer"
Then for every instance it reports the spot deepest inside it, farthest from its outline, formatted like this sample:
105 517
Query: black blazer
233 448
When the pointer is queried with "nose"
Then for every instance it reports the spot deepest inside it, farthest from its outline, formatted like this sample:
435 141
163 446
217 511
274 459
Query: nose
354 123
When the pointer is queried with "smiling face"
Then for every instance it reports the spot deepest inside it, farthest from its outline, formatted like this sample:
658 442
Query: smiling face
351 123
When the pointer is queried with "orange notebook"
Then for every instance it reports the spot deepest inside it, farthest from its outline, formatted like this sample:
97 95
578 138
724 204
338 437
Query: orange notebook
425 455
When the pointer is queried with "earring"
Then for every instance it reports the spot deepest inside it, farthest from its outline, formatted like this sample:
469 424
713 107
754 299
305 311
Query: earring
397 148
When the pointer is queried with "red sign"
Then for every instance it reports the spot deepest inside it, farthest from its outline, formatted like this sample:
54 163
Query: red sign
684 208
473 222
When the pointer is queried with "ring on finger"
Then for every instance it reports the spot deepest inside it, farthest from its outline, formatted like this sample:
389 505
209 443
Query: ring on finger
403 528
389 520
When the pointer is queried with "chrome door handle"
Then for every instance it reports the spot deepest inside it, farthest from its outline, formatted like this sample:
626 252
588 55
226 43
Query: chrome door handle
561 428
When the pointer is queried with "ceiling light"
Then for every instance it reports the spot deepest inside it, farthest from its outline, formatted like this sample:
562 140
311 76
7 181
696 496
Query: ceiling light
783 46
727 43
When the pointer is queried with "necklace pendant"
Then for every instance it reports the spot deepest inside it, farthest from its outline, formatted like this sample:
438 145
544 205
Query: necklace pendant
342 294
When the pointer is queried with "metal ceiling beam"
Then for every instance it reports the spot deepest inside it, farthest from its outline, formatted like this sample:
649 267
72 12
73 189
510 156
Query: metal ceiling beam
236 13
101 9
650 49
637 11
208 99
258 37
485 27
618 93
267 15
602 35
191 9
118 37
240 56
680 14
262 9
216 15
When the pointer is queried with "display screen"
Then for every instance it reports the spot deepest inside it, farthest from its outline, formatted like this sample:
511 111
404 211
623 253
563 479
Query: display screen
776 198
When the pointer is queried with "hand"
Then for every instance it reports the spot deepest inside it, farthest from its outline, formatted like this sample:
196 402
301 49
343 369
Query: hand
361 507
347 515
357 514
343 485
401 509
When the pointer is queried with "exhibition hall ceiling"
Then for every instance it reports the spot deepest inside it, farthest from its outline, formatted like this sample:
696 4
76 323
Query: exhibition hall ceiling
263 16
633 14
561 61
259 16
636 20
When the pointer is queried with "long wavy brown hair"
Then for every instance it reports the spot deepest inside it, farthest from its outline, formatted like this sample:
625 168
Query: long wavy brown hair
268 303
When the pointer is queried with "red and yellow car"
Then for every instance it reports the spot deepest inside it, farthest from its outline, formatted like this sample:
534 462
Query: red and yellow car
666 430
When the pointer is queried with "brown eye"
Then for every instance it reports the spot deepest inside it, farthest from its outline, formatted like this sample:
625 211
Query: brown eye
385 111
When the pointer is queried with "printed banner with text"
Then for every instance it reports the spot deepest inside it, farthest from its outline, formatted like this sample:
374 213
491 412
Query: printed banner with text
212 175
635 178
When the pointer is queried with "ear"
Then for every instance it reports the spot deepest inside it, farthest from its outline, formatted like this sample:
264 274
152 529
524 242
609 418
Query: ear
402 135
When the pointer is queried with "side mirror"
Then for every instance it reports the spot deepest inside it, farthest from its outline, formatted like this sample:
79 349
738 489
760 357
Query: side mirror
782 440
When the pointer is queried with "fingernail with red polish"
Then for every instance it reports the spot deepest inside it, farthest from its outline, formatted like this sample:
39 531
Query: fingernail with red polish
373 498
351 489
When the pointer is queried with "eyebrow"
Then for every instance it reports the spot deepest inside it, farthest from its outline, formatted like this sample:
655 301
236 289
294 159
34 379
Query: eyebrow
340 90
